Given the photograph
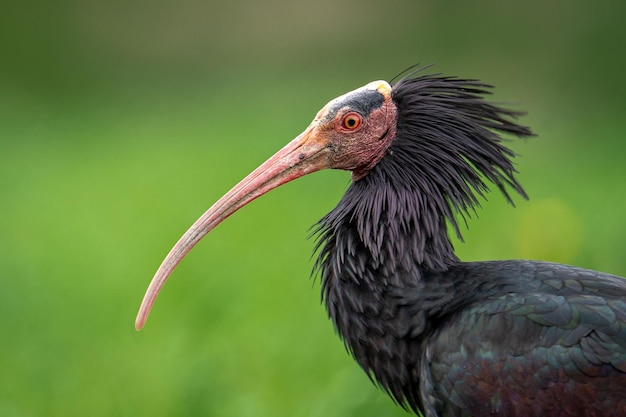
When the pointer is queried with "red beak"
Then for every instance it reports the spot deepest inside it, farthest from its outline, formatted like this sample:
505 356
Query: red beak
307 153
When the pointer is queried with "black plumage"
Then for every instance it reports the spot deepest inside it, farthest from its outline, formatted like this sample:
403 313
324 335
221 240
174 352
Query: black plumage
452 338
443 337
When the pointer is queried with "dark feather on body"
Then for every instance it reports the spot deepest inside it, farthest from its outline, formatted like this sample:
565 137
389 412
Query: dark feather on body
449 338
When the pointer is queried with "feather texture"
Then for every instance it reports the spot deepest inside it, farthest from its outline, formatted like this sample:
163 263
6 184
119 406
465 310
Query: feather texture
447 338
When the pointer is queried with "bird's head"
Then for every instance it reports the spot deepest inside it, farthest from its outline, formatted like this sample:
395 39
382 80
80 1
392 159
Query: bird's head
353 132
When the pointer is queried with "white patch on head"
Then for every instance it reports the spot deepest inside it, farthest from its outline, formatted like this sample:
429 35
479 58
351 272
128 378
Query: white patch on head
381 86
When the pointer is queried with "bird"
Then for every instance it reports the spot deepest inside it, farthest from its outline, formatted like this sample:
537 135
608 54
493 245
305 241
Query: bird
443 337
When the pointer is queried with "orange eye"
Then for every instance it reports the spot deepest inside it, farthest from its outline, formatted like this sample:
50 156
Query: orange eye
351 121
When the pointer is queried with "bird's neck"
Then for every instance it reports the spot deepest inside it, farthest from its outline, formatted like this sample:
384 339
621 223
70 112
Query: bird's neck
383 238
379 243
380 228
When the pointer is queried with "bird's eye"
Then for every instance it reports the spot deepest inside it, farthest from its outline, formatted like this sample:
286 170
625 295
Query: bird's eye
351 121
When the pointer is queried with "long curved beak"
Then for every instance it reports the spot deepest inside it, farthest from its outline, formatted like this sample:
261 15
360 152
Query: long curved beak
305 154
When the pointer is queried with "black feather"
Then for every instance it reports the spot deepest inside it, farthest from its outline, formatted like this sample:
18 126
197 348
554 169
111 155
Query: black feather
446 145
447 338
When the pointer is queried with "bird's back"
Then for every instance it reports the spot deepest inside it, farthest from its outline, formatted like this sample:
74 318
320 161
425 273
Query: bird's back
532 339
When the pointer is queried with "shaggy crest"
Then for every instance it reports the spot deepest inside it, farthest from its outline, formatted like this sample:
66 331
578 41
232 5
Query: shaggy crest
447 148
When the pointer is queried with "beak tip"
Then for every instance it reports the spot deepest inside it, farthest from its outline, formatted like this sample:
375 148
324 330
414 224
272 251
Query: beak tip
140 321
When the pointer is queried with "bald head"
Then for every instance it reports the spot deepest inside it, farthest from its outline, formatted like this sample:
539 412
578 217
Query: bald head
352 132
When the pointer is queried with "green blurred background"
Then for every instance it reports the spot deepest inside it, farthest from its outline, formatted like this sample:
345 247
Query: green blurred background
122 121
